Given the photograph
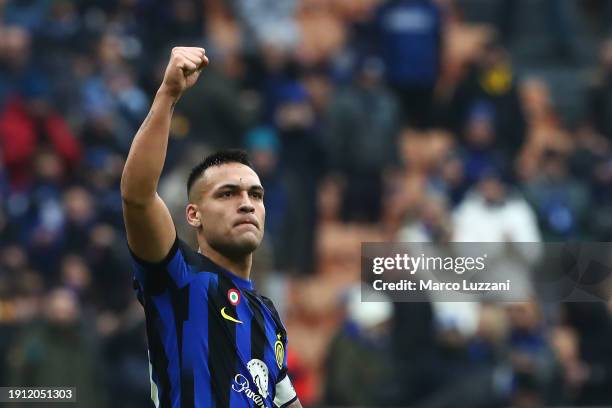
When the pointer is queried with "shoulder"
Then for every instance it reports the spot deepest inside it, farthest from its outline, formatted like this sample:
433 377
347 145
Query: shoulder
180 253
275 315
177 268
268 302
517 205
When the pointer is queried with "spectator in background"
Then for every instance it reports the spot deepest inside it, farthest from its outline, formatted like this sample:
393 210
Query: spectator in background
106 255
27 14
493 212
600 93
559 22
80 216
431 223
15 58
409 34
600 13
268 20
231 108
583 342
21 291
304 161
110 94
360 355
154 23
544 128
531 357
480 151
102 170
56 352
491 82
43 216
127 371
61 27
361 135
461 375
591 166
560 201
184 19
76 276
415 364
28 119
28 124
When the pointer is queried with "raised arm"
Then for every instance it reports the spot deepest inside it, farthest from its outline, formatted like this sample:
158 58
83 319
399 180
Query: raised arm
149 226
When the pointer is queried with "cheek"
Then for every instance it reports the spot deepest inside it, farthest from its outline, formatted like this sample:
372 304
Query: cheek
214 215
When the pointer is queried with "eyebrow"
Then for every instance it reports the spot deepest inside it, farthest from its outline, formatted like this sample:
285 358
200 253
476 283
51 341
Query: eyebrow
254 187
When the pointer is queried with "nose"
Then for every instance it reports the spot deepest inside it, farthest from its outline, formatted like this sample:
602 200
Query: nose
245 204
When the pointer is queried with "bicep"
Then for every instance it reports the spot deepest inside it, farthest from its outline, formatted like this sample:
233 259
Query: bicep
149 228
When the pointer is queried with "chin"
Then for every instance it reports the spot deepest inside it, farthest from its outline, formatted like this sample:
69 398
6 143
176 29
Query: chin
248 244
240 246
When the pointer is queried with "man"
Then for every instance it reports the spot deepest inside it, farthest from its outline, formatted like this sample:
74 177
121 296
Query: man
213 341
411 30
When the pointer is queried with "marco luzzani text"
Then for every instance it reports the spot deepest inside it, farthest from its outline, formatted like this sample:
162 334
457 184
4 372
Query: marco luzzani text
438 265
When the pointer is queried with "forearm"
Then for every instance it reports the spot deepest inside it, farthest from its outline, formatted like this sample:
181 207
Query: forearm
147 154
295 404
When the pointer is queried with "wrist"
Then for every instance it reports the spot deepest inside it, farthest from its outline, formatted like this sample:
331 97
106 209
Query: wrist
166 94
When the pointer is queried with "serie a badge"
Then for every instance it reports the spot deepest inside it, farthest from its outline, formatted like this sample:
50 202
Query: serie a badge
279 351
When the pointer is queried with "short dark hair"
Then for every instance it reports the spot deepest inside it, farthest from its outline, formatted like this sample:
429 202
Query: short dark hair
217 159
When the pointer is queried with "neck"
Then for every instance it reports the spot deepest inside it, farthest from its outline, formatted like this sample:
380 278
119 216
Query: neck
239 265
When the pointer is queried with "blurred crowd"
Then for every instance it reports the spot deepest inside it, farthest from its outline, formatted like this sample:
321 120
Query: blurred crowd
366 120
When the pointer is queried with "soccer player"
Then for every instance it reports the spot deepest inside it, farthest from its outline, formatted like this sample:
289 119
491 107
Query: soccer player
213 340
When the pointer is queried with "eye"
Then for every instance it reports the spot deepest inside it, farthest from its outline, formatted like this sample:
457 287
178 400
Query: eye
226 194
256 194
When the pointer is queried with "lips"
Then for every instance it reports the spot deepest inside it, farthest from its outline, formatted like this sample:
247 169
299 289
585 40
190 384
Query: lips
249 221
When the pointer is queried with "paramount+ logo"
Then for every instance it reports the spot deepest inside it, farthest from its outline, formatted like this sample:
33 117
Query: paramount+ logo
259 375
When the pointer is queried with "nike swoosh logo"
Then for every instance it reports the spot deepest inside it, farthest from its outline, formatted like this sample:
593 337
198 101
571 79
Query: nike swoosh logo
228 317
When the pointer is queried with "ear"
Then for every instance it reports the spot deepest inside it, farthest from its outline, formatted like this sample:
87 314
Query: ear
193 215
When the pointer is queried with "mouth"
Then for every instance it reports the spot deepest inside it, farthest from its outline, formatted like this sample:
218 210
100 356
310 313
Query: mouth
247 222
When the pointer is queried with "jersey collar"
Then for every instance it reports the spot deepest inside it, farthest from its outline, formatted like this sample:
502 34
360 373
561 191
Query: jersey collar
237 280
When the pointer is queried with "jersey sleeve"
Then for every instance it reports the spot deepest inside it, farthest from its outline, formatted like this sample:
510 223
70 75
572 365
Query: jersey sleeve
284 392
152 278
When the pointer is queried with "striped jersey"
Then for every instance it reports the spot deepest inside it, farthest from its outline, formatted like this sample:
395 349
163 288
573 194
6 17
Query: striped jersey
213 340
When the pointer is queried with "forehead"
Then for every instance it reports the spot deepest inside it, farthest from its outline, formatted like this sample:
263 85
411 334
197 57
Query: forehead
228 173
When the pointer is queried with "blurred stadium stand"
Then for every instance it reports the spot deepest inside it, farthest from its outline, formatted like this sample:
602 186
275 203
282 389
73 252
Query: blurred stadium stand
367 120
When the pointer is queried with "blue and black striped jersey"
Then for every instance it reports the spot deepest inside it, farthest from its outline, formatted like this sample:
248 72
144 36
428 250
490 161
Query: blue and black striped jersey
213 340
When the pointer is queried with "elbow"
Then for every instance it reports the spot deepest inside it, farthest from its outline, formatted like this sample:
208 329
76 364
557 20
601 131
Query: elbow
135 194
133 200
126 191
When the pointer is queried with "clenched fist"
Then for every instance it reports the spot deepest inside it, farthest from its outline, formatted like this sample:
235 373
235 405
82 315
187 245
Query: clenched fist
183 70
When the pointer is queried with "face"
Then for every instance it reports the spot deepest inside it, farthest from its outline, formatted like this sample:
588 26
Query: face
62 308
226 205
480 132
492 190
